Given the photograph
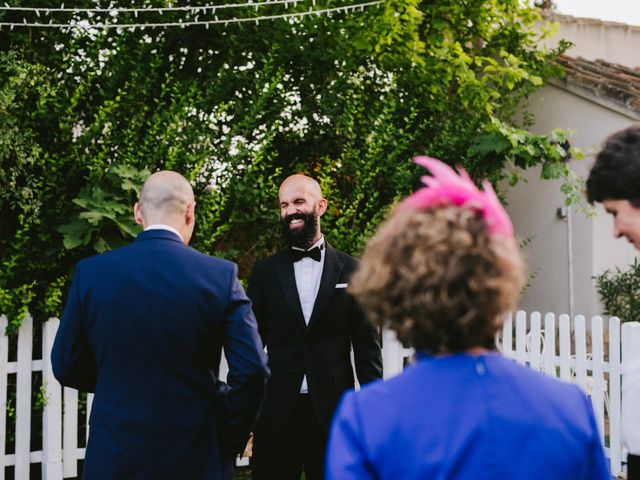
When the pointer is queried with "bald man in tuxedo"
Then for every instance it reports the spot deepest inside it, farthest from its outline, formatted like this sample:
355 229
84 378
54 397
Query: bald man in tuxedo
308 323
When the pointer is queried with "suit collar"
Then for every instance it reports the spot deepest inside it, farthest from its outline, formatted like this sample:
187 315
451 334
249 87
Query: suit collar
156 234
287 278
163 226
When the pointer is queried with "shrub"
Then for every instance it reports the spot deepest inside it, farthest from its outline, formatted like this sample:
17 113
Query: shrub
348 99
620 292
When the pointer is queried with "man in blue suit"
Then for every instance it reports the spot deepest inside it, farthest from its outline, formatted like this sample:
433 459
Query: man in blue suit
143 328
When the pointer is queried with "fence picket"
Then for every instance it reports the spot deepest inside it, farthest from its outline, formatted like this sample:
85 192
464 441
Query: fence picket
23 398
89 405
550 344
580 342
565 347
507 336
535 346
599 384
4 361
70 433
52 414
521 333
393 354
615 395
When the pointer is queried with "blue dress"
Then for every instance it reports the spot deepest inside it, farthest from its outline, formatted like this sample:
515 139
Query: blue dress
466 417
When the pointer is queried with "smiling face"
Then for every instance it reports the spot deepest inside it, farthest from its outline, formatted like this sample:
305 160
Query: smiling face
626 220
301 206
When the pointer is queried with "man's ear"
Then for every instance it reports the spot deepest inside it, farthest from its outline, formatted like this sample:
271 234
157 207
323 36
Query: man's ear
190 214
137 214
322 206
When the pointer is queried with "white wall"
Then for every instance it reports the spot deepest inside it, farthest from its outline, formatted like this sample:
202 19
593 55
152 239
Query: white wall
594 39
532 206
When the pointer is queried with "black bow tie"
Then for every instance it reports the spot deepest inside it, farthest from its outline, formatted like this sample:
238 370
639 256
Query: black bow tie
314 254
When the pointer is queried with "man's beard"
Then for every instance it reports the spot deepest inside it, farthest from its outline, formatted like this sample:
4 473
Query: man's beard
304 237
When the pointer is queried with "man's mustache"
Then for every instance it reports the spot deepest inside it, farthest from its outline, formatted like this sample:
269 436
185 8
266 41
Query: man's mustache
295 216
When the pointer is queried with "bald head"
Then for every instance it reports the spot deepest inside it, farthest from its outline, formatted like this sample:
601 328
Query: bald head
167 198
302 183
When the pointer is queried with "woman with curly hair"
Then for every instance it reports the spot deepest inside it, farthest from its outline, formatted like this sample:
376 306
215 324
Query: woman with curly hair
443 272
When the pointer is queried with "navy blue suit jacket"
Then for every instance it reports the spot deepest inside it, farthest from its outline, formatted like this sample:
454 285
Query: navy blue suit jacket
143 328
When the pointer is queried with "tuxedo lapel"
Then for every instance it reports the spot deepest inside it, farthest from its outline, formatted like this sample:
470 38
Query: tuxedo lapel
287 278
330 275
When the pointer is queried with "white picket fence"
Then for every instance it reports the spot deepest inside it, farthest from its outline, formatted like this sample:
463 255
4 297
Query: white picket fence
571 349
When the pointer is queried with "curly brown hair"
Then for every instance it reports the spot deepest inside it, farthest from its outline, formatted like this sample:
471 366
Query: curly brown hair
439 279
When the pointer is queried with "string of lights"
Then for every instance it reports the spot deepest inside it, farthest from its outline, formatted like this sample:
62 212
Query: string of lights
84 24
193 8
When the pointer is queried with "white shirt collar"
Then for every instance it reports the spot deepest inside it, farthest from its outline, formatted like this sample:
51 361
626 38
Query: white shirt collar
162 226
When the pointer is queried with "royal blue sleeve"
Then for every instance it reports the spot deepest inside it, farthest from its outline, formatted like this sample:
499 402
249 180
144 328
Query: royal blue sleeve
346 452
599 466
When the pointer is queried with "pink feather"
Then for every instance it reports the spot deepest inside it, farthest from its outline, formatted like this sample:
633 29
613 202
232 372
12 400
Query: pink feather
446 187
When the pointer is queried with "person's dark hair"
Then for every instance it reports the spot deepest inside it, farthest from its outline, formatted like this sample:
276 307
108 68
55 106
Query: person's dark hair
439 279
616 172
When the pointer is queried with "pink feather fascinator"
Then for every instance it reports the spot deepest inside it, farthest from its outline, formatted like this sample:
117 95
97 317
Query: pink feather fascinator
446 187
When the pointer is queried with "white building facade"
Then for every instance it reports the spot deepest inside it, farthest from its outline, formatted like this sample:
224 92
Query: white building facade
565 248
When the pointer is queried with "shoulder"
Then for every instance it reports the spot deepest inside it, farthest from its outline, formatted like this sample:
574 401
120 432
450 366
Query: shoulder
523 374
376 393
342 256
215 269
95 261
364 406
546 403
210 260
562 397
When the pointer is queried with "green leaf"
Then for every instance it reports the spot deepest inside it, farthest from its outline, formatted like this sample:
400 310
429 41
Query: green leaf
75 234
552 170
490 143
100 245
130 228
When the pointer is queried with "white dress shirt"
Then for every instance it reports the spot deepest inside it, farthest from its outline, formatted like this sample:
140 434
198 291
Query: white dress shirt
308 273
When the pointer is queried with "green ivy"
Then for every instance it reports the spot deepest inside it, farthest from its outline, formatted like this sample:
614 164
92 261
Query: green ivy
348 99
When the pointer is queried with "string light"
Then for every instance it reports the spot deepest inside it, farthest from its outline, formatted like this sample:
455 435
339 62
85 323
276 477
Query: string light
133 26
194 9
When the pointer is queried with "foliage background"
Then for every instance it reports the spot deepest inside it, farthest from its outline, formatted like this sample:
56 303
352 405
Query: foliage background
619 291
86 114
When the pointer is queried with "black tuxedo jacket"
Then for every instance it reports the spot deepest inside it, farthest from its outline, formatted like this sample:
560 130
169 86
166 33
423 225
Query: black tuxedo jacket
321 350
